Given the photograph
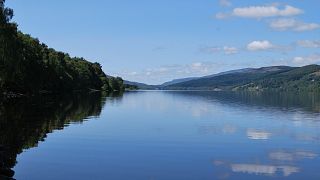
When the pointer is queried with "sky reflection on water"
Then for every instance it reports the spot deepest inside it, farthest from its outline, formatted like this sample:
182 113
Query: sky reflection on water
184 135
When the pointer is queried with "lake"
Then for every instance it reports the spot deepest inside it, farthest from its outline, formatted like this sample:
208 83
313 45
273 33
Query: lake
157 135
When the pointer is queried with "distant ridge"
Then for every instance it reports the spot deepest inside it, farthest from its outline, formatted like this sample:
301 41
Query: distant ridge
175 81
283 78
141 85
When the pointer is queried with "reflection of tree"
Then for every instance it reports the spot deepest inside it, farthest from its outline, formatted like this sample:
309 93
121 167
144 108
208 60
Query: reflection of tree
309 102
23 123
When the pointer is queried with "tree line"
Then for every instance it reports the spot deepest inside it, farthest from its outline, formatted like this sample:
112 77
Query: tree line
28 66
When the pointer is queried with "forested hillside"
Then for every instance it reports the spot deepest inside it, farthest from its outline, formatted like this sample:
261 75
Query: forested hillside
282 78
28 66
305 78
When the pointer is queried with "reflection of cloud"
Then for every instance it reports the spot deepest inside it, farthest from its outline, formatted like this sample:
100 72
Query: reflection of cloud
218 162
306 154
254 168
290 156
258 169
200 111
258 134
307 137
263 169
226 129
229 129
209 130
281 156
288 170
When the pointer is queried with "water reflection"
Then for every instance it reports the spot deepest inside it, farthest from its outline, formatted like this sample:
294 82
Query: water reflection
269 121
260 169
258 134
25 122
282 101
165 135
283 155
277 169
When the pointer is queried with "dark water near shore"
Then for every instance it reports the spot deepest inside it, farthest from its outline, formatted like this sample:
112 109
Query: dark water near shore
162 135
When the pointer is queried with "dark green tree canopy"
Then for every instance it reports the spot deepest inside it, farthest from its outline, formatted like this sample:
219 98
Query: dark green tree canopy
28 66
6 13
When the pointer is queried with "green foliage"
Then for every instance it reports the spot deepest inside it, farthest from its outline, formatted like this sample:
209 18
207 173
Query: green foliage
130 87
277 78
29 67
228 81
305 78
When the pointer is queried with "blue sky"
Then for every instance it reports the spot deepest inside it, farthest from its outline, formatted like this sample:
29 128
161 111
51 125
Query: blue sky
154 41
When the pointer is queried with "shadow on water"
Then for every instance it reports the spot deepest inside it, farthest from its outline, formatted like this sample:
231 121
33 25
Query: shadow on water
25 122
306 102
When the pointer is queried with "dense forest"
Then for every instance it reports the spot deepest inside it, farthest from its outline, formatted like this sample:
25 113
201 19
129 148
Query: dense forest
28 66
305 78
279 78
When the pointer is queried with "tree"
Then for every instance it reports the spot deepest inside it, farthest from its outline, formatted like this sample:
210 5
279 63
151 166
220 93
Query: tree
28 66
9 47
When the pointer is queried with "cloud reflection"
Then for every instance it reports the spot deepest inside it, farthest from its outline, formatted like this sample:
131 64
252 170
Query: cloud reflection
259 169
291 156
225 129
263 169
258 134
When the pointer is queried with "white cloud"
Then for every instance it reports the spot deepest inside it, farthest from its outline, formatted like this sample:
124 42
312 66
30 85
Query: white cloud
265 11
222 15
306 60
309 43
225 3
292 24
260 45
259 12
230 50
169 72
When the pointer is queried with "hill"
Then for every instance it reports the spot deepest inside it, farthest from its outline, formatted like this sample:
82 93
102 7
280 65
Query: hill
305 78
265 78
143 86
176 81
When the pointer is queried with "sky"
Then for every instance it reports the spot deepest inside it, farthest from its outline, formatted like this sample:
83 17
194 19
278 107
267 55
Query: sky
154 41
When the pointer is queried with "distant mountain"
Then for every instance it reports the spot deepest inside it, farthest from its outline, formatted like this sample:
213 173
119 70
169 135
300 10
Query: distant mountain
176 81
230 72
240 79
283 78
305 78
141 85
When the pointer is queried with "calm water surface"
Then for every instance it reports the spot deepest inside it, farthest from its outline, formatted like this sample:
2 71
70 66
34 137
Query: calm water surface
163 135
